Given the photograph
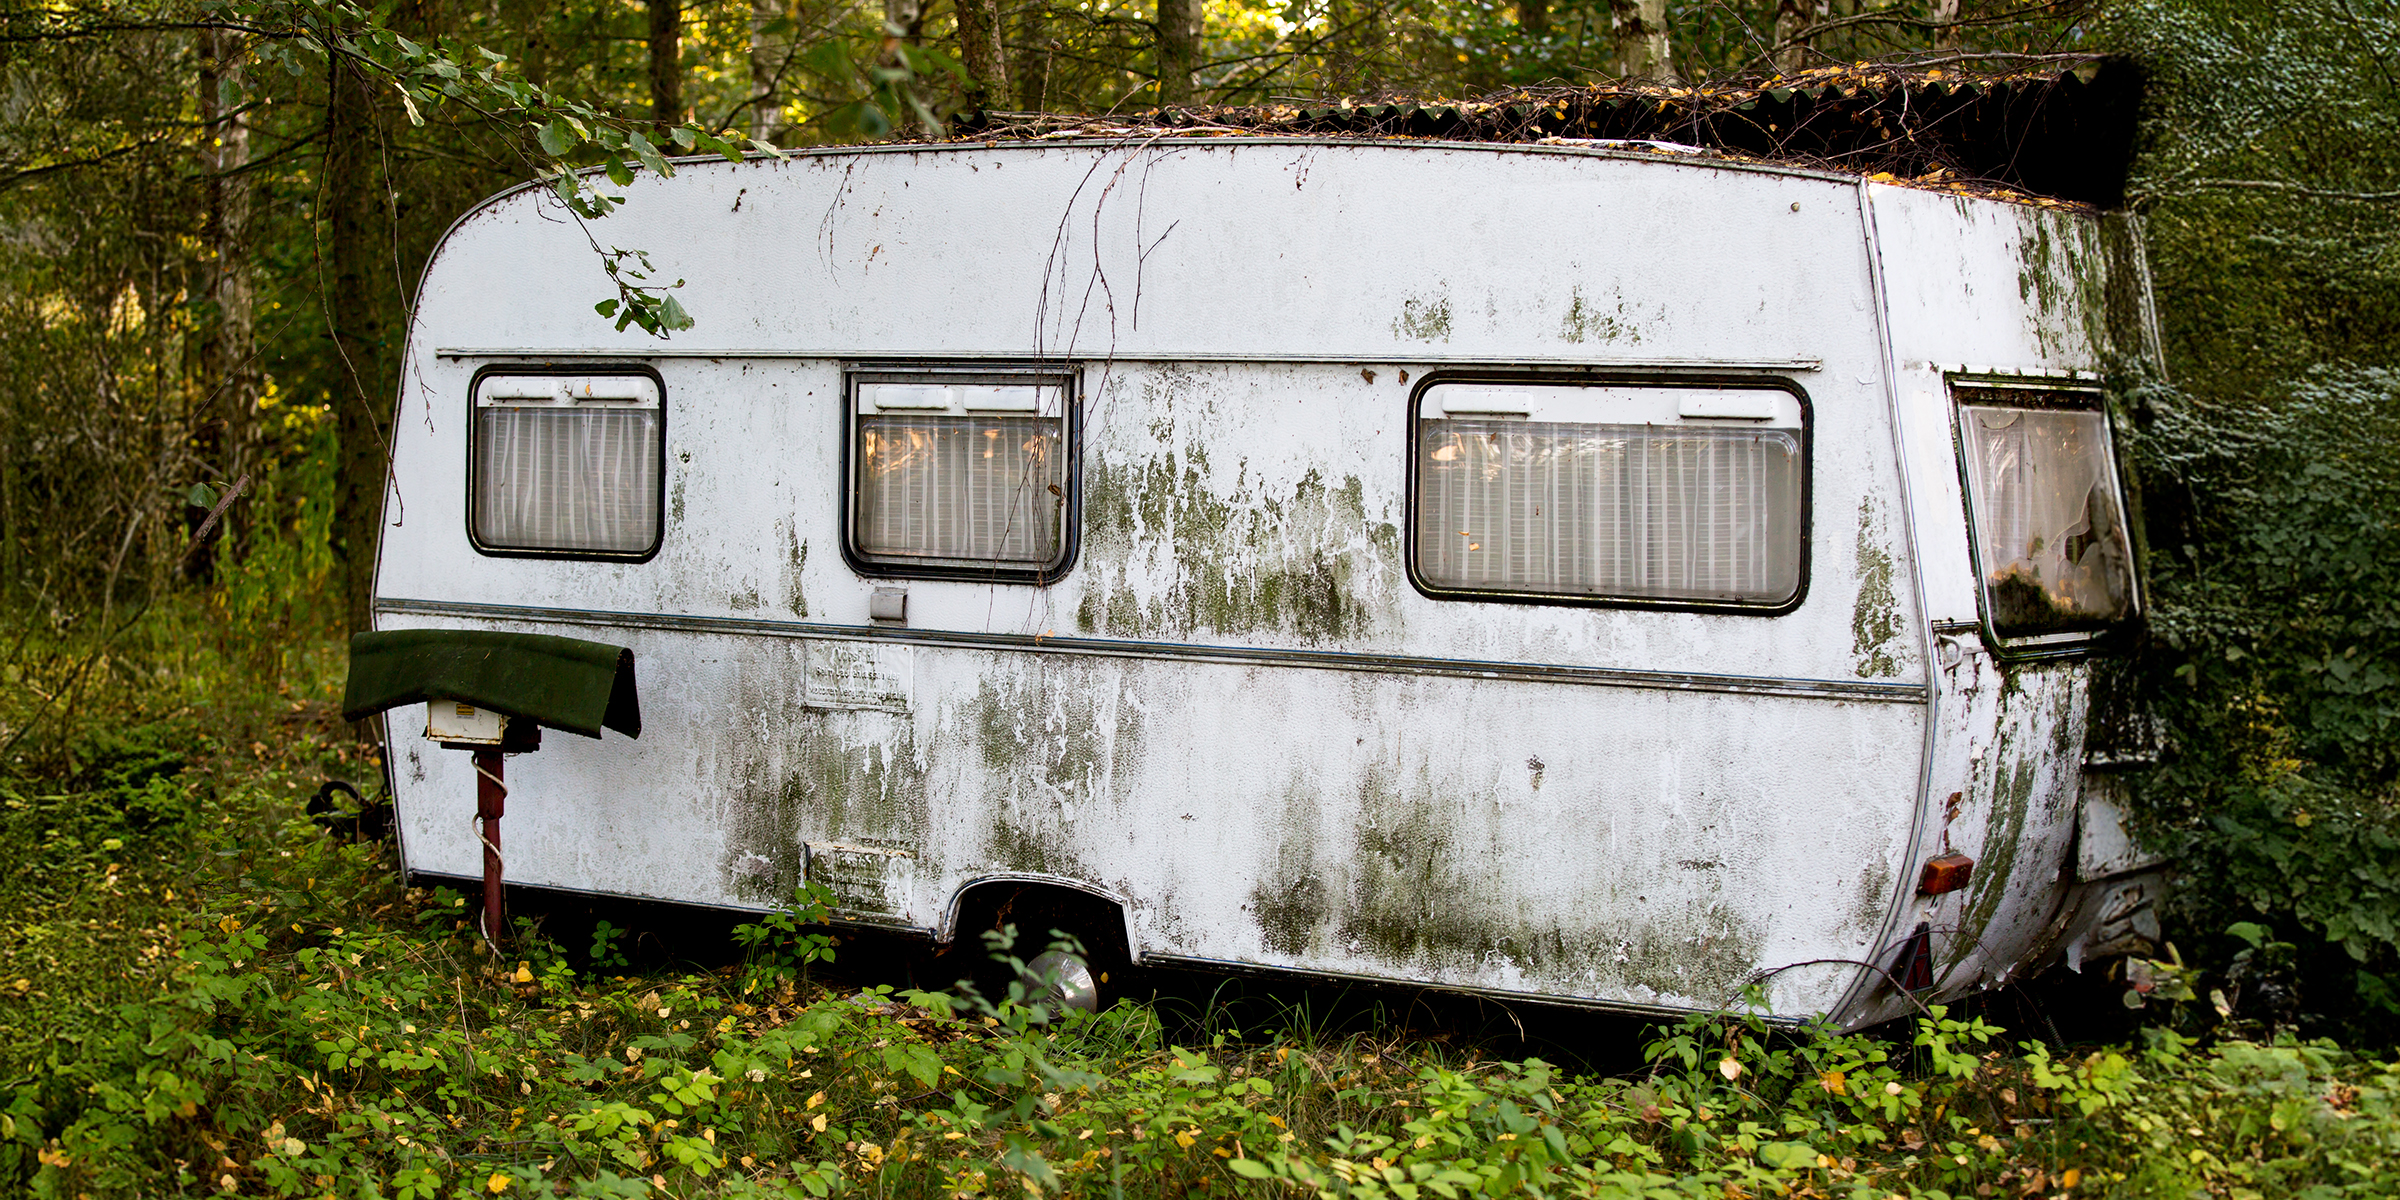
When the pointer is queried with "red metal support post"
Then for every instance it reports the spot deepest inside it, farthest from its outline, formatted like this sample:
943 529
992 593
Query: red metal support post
491 797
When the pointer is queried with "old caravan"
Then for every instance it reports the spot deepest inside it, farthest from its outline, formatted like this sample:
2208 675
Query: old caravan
1593 573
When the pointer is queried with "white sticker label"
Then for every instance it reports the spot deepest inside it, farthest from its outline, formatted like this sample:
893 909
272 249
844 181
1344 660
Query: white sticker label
866 675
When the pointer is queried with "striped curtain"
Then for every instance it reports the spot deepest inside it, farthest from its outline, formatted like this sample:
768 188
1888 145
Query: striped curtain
981 489
583 478
1638 511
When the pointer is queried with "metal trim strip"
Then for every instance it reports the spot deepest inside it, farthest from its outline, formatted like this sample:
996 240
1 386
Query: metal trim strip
1633 1008
1254 656
1019 359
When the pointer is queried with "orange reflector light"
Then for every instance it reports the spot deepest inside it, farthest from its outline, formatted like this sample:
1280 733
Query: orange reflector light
1945 873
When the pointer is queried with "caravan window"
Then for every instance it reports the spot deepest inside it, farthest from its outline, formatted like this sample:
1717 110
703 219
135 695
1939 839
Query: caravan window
2050 536
567 465
1694 496
955 473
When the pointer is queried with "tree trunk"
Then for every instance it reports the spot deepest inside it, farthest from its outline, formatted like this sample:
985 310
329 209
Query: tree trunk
229 369
1641 40
766 69
364 395
1792 16
1034 47
1533 18
666 63
1945 36
1178 49
979 50
903 21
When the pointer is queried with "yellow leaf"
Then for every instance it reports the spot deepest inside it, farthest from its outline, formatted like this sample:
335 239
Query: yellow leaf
1833 1082
2070 1177
498 1183
817 1123
1730 1069
816 1100
524 975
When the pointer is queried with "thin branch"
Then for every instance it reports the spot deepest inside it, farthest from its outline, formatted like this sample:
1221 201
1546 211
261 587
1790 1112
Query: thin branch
12 178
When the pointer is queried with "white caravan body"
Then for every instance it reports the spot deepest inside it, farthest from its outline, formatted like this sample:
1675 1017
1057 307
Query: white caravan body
1216 644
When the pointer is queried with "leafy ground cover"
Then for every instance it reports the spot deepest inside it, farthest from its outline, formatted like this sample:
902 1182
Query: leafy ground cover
204 992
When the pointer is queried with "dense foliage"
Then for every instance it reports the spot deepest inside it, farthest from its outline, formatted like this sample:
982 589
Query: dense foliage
2270 180
204 993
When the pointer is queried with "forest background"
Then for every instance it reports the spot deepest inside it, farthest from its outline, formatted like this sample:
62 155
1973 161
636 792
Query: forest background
213 214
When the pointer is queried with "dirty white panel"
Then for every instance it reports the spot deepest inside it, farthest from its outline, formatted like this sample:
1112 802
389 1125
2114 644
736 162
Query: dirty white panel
1990 286
1264 737
1083 250
2007 756
1937 500
1597 842
1291 471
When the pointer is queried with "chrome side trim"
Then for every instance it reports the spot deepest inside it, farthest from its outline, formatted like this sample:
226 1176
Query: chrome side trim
1593 1003
1254 656
1401 358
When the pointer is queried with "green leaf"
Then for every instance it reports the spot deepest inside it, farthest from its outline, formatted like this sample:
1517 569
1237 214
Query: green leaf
648 154
201 496
618 172
1249 1168
558 137
685 137
671 315
606 308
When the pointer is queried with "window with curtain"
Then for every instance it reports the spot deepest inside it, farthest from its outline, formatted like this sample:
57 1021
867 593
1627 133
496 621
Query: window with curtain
1640 494
569 466
960 473
2050 534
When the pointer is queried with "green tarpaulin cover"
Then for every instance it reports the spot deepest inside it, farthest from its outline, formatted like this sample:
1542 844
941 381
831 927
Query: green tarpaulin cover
559 682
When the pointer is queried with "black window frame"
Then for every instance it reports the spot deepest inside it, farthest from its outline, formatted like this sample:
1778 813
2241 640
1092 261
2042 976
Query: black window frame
1661 380
474 471
1070 538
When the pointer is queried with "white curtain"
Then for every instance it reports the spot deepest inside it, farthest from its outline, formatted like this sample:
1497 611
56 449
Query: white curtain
1640 511
558 478
982 489
2046 519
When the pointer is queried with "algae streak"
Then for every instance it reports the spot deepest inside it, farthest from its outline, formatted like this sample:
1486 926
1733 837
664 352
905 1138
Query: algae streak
1172 551
1875 617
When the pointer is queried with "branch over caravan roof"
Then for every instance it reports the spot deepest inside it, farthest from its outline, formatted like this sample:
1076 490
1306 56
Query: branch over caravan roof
2057 132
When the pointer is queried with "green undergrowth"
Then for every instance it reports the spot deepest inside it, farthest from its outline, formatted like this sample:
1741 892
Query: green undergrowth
203 993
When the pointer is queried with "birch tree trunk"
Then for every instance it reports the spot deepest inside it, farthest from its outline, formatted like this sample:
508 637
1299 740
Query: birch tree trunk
1641 37
766 69
1791 16
1945 35
1178 49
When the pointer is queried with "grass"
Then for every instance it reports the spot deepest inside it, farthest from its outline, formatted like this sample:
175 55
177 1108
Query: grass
202 992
